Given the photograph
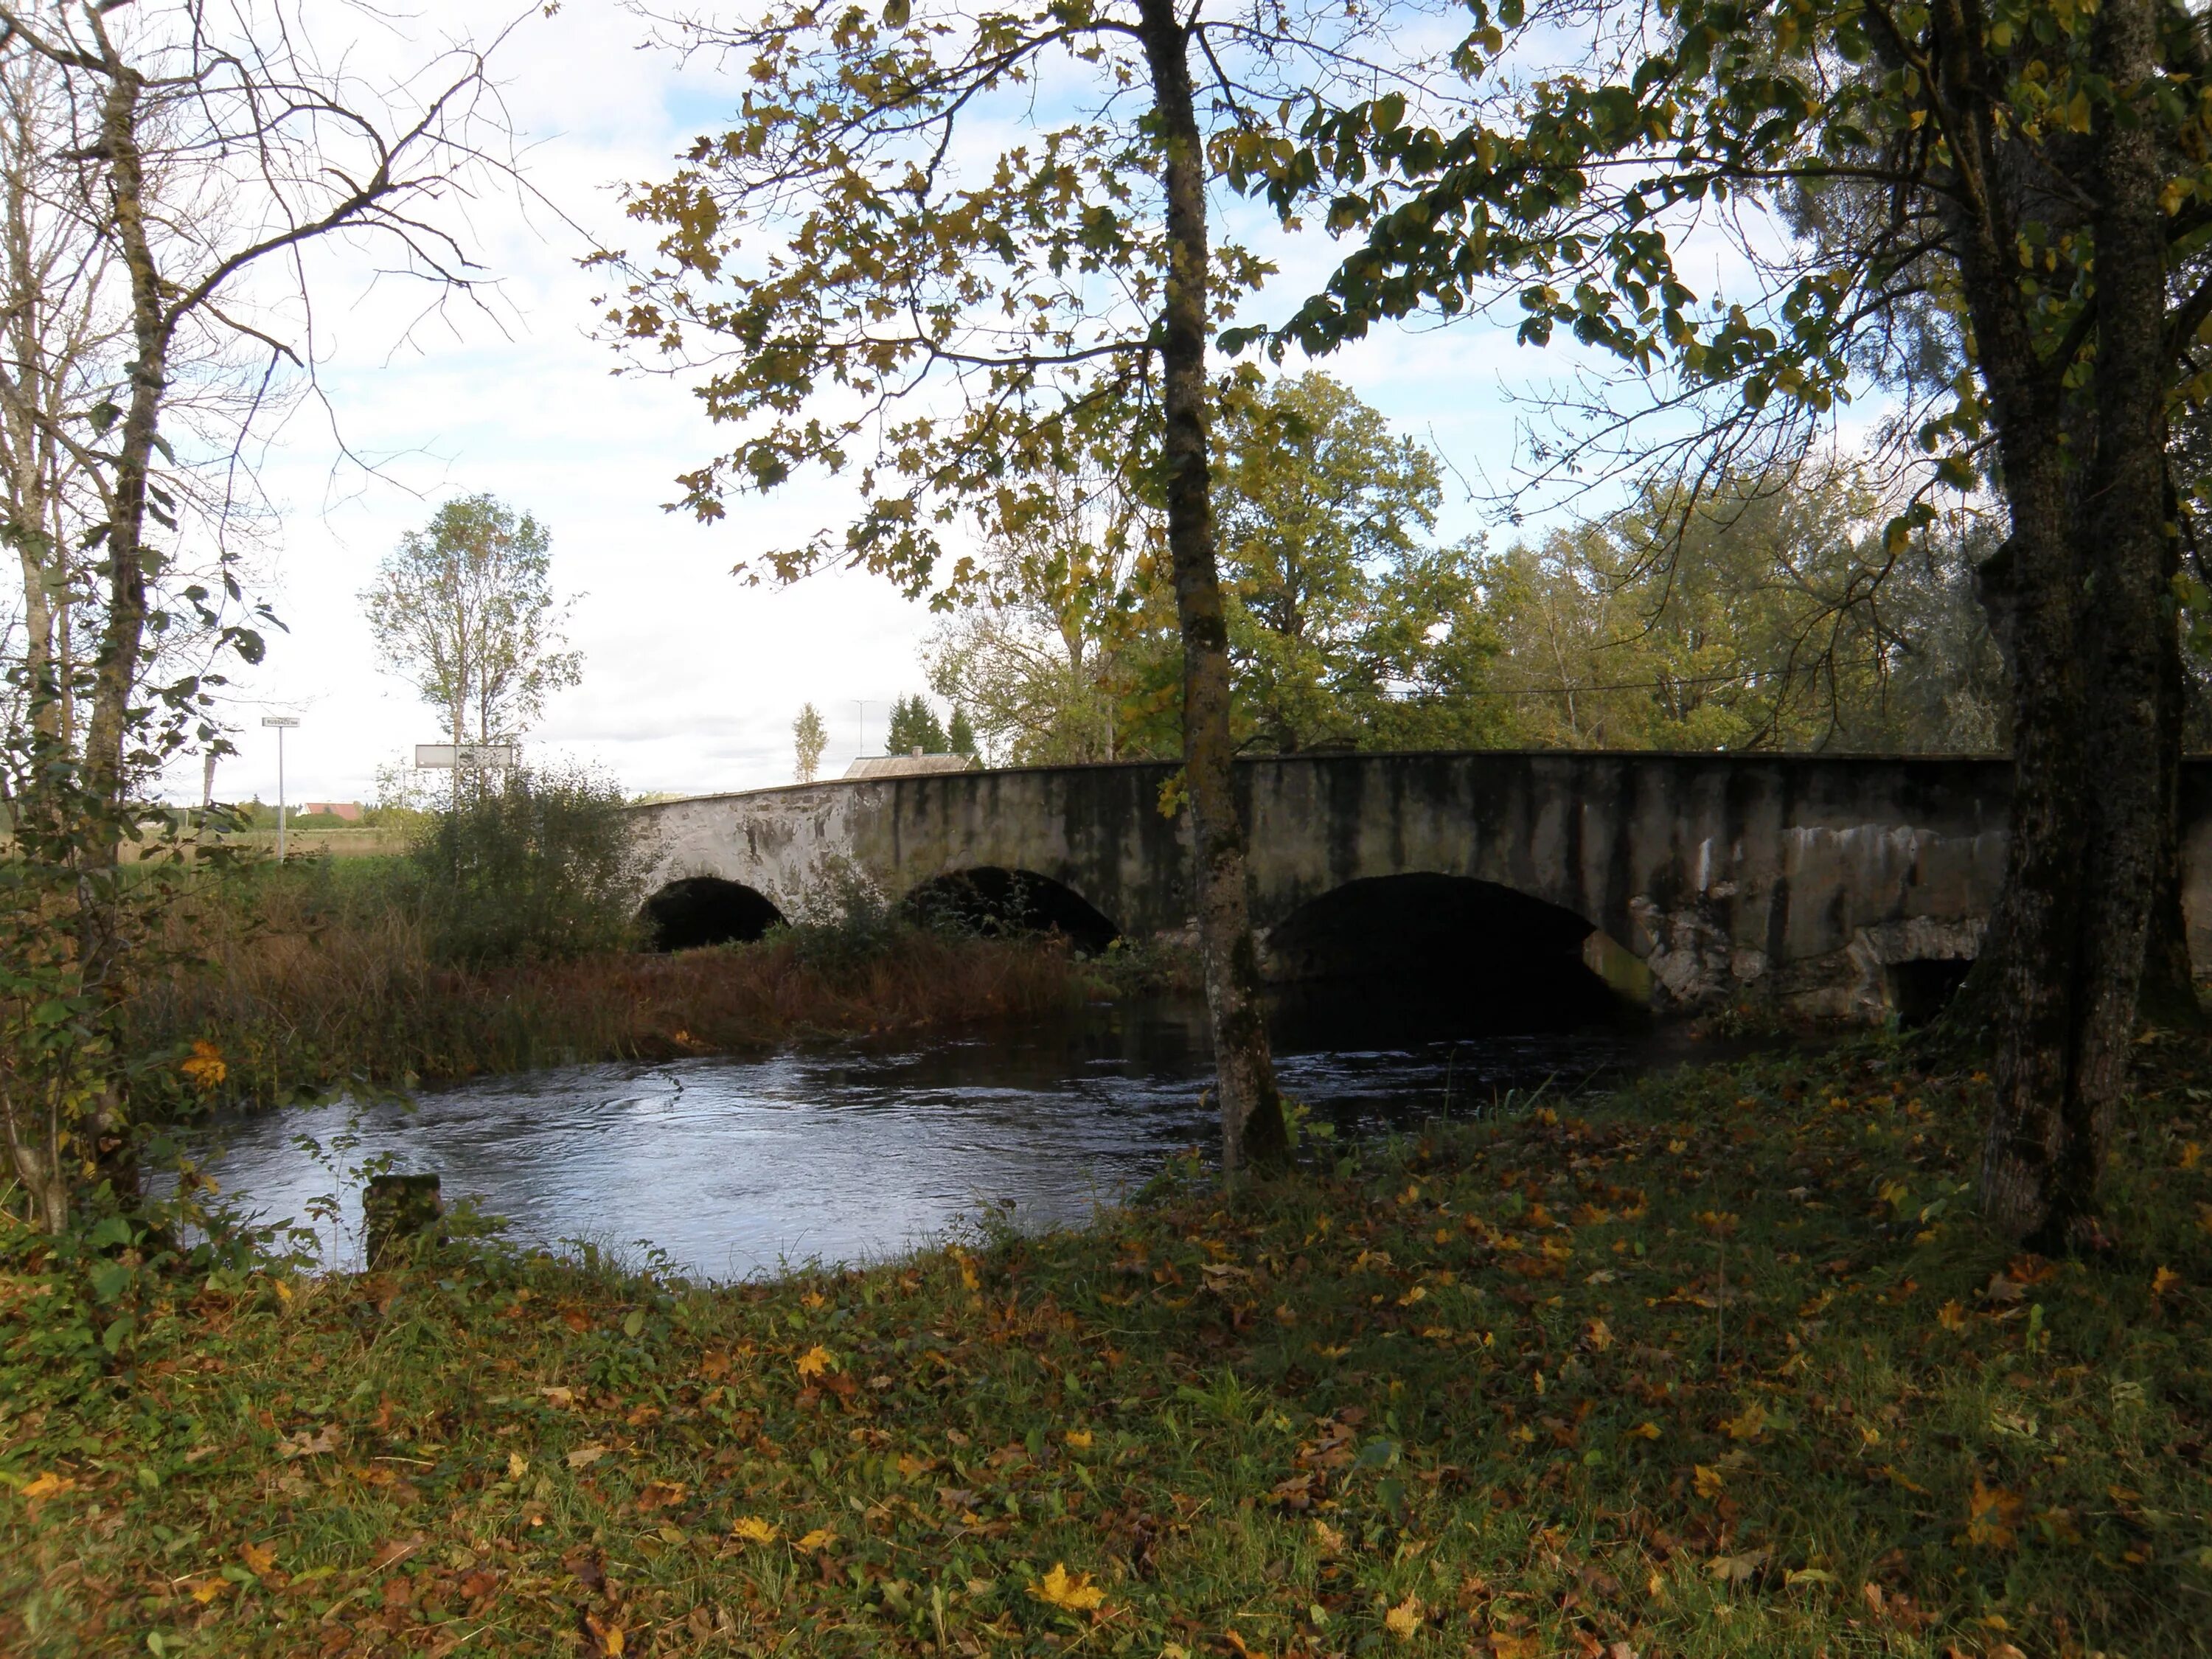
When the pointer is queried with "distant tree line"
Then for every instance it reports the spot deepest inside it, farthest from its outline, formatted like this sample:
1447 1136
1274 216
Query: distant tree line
1776 616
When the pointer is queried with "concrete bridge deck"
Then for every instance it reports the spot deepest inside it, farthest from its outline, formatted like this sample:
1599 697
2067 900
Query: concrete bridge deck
1833 885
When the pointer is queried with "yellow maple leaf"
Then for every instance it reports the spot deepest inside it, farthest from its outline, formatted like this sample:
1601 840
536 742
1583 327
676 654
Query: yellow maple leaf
208 1589
752 1529
584 1456
205 1067
1599 1336
517 1465
816 1361
2192 1154
1951 1316
46 1484
1746 1425
259 1559
1405 1619
2163 1280
1990 1513
1079 1438
820 1539
1708 1480
1072 1591
1646 1430
1328 1539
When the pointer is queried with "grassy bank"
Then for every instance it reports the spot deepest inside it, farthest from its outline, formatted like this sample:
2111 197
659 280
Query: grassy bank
1721 1365
307 978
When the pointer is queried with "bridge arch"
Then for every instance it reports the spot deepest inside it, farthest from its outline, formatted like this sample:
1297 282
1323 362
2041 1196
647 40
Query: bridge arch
1446 952
992 899
699 911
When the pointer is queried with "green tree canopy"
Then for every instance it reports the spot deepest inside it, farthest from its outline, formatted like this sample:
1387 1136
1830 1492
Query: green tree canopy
464 609
915 729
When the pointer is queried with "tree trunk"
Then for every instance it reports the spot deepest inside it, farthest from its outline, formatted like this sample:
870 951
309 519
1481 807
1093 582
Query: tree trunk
121 641
1251 1109
2087 850
2167 995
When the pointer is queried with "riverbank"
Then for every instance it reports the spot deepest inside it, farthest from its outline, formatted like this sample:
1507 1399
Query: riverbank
1722 1365
305 982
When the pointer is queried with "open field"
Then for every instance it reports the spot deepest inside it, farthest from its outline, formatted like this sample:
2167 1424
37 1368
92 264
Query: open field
1722 1365
320 838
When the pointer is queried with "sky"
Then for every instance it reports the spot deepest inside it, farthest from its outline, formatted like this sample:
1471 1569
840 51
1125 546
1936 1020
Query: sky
691 680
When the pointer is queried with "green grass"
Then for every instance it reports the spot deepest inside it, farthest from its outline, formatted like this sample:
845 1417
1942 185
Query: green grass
1721 1365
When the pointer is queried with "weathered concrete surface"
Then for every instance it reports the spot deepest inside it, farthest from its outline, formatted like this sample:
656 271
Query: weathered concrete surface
1800 878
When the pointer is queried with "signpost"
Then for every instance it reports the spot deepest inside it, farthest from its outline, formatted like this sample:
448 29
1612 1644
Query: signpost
283 723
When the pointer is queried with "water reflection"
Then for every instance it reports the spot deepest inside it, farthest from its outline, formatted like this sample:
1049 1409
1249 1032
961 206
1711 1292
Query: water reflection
734 1167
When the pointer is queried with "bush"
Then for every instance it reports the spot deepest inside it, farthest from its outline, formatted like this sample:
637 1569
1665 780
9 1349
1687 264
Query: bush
541 865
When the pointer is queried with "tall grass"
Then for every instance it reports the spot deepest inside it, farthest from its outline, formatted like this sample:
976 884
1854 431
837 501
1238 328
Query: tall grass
321 975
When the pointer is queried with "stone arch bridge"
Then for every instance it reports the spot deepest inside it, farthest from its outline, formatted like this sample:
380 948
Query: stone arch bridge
1827 886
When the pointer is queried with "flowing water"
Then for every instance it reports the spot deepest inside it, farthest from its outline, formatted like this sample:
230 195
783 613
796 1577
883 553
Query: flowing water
731 1168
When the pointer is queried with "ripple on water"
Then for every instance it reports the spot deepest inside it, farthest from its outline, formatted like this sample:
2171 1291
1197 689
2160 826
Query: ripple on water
733 1167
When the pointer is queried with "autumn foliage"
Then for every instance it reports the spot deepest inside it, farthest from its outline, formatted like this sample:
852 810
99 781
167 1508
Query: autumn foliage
1724 1365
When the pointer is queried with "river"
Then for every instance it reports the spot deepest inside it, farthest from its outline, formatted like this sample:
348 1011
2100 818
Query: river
731 1168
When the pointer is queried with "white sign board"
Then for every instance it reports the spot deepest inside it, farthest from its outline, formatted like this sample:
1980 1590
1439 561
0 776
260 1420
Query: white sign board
280 719
445 756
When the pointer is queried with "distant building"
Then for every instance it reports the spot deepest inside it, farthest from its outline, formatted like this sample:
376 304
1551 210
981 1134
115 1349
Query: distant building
909 766
348 811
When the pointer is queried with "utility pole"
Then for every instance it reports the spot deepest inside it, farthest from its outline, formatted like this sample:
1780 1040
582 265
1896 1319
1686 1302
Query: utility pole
283 723
861 705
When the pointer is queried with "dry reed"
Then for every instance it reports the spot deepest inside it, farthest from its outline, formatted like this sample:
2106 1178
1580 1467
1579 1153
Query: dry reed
298 998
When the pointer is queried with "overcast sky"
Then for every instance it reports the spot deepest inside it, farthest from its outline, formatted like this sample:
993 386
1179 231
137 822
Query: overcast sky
691 679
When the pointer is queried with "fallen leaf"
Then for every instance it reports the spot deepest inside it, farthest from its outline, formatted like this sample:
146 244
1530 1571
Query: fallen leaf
1735 1569
303 1444
259 1559
208 1589
584 1456
816 1361
1328 1539
820 1539
752 1529
1404 1619
1598 1337
517 1465
1708 1480
2163 1280
1079 1438
606 1634
1076 1592
1991 1513
559 1398
47 1485
660 1494
1644 1430
1746 1425
1951 1316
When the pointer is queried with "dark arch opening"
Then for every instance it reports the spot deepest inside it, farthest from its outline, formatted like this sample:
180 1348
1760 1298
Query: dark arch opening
1003 902
1416 957
707 910
1922 988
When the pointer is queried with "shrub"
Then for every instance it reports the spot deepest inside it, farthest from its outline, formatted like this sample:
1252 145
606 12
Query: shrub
543 864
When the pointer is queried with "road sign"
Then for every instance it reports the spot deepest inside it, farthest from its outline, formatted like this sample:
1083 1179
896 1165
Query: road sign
283 723
445 756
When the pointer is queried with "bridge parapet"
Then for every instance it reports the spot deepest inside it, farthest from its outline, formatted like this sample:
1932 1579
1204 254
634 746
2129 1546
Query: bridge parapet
1813 881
